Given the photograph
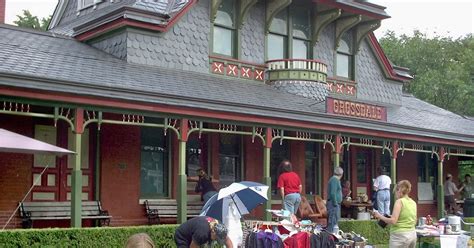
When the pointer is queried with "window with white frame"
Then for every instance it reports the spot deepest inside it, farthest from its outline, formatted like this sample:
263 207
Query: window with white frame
344 57
224 29
82 4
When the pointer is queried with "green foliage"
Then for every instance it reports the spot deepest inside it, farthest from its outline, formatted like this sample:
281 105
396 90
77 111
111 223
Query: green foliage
466 167
27 20
468 220
368 229
162 235
443 68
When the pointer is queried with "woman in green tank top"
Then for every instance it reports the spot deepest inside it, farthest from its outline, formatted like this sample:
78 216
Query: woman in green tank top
403 220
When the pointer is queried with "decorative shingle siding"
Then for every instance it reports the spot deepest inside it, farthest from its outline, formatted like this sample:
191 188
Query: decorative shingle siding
185 46
115 45
324 48
371 82
253 35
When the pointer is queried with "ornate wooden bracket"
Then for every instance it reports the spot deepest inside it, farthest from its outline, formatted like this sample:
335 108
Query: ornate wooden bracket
363 29
273 7
321 20
344 24
245 6
214 7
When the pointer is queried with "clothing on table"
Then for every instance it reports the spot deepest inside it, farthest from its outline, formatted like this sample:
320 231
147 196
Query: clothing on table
206 188
383 201
298 240
290 182
407 218
403 239
197 229
263 239
322 240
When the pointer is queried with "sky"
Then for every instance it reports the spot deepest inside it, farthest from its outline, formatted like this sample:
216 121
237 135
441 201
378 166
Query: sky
452 18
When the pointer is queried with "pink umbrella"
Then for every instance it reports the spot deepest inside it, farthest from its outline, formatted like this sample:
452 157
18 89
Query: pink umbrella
16 143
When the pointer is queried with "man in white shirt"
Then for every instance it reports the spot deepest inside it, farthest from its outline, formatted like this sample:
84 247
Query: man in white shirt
382 187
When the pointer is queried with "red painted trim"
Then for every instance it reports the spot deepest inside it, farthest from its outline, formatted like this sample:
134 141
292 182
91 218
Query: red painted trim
79 121
268 137
222 115
244 63
183 129
121 22
338 144
395 149
306 60
340 80
385 61
351 9
442 154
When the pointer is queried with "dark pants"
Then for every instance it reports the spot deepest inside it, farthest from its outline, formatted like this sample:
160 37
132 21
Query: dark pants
450 204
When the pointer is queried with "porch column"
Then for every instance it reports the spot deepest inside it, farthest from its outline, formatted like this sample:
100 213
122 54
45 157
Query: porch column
76 173
393 173
181 198
440 195
266 172
337 152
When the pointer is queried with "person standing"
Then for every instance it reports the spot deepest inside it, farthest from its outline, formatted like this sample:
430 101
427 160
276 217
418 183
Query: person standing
290 187
403 219
199 231
450 191
468 189
382 188
205 186
334 199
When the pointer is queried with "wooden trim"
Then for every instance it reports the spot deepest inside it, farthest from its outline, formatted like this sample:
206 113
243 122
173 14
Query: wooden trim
217 114
351 9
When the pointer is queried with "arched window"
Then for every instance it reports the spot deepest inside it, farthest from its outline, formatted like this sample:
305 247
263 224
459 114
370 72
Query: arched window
344 57
289 34
224 30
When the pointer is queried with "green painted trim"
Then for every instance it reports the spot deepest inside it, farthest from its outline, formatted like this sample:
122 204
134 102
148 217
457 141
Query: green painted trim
344 24
321 20
267 180
297 74
214 7
55 116
362 30
245 6
440 195
208 130
181 199
337 159
393 169
76 187
97 167
273 8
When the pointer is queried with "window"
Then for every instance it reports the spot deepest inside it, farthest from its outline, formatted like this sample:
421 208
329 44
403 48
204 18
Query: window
386 163
196 154
229 159
427 173
312 169
82 4
277 154
344 57
224 30
154 169
289 34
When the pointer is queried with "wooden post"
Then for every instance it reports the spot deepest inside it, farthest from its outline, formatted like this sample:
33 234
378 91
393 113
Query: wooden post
182 179
267 180
76 173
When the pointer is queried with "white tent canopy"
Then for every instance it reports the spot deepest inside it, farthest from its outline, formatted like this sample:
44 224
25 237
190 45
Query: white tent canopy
16 143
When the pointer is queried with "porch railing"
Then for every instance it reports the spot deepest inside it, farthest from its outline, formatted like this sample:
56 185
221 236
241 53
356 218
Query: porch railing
297 69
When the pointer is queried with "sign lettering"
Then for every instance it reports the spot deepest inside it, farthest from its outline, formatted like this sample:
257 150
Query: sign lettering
355 109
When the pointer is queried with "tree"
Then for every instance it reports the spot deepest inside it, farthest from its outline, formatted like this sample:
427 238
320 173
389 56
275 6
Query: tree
443 68
27 20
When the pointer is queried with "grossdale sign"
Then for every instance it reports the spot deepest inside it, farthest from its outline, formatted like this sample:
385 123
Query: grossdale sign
356 109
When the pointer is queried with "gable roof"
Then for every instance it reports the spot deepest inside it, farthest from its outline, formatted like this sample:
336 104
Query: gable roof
43 61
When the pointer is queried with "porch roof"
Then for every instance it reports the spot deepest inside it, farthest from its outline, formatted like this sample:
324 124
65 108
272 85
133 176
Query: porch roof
41 61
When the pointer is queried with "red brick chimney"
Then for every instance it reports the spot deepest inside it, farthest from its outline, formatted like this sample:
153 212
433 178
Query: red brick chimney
2 11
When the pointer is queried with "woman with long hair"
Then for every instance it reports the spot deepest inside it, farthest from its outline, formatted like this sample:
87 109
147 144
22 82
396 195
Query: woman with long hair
289 185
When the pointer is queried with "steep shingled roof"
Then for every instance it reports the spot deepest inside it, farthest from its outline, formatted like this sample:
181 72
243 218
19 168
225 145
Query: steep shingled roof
66 65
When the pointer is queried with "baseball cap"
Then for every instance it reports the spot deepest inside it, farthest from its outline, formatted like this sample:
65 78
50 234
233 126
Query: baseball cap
221 233
449 175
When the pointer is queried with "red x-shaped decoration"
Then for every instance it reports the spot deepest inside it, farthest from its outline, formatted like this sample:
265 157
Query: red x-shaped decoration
258 74
245 72
339 88
330 85
232 70
218 67
350 90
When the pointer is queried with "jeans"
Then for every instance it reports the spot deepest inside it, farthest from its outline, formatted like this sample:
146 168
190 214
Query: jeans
292 202
383 202
334 214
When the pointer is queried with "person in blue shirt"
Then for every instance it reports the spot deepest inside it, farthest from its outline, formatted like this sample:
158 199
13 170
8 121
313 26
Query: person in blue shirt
334 199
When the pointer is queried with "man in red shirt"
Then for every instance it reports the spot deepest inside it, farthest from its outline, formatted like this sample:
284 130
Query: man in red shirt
290 187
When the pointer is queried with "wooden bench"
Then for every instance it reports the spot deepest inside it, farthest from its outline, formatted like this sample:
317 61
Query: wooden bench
168 208
30 211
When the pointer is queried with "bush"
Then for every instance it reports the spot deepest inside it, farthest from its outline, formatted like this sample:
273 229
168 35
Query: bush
468 220
162 235
369 229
